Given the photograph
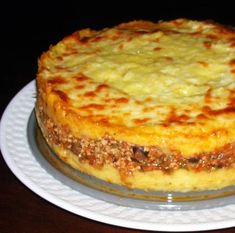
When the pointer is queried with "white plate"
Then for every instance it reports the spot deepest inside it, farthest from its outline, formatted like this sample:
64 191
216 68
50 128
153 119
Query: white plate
21 160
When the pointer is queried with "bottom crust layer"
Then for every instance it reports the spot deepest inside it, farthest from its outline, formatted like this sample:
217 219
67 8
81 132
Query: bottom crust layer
180 180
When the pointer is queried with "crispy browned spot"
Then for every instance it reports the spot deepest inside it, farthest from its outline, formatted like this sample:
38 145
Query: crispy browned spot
229 109
207 96
207 44
121 100
101 87
137 25
81 78
97 39
232 98
203 63
104 121
142 102
60 58
215 112
141 121
116 37
232 44
69 51
62 95
174 118
93 106
121 46
201 116
232 62
212 37
147 109
90 94
58 67
168 58
157 49
79 87
57 80
178 22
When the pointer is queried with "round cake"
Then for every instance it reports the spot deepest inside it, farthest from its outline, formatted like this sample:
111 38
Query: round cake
144 105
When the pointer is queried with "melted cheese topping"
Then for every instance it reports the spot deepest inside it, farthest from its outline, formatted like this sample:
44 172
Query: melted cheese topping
177 72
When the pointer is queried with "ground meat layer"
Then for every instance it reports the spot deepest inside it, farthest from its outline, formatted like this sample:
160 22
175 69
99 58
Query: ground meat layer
127 157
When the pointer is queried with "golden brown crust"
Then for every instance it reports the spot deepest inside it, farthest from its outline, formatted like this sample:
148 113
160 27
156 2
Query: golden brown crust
187 116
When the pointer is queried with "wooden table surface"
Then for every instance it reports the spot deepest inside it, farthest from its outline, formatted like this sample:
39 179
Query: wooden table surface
27 33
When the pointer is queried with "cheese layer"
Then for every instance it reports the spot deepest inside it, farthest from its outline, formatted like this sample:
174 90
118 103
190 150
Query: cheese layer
169 84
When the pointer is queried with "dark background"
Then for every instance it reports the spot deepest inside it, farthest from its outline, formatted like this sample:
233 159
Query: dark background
28 29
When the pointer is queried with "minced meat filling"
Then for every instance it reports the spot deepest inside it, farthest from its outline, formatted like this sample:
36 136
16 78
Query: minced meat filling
127 157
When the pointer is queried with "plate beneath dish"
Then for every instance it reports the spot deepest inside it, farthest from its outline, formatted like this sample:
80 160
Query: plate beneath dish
27 162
